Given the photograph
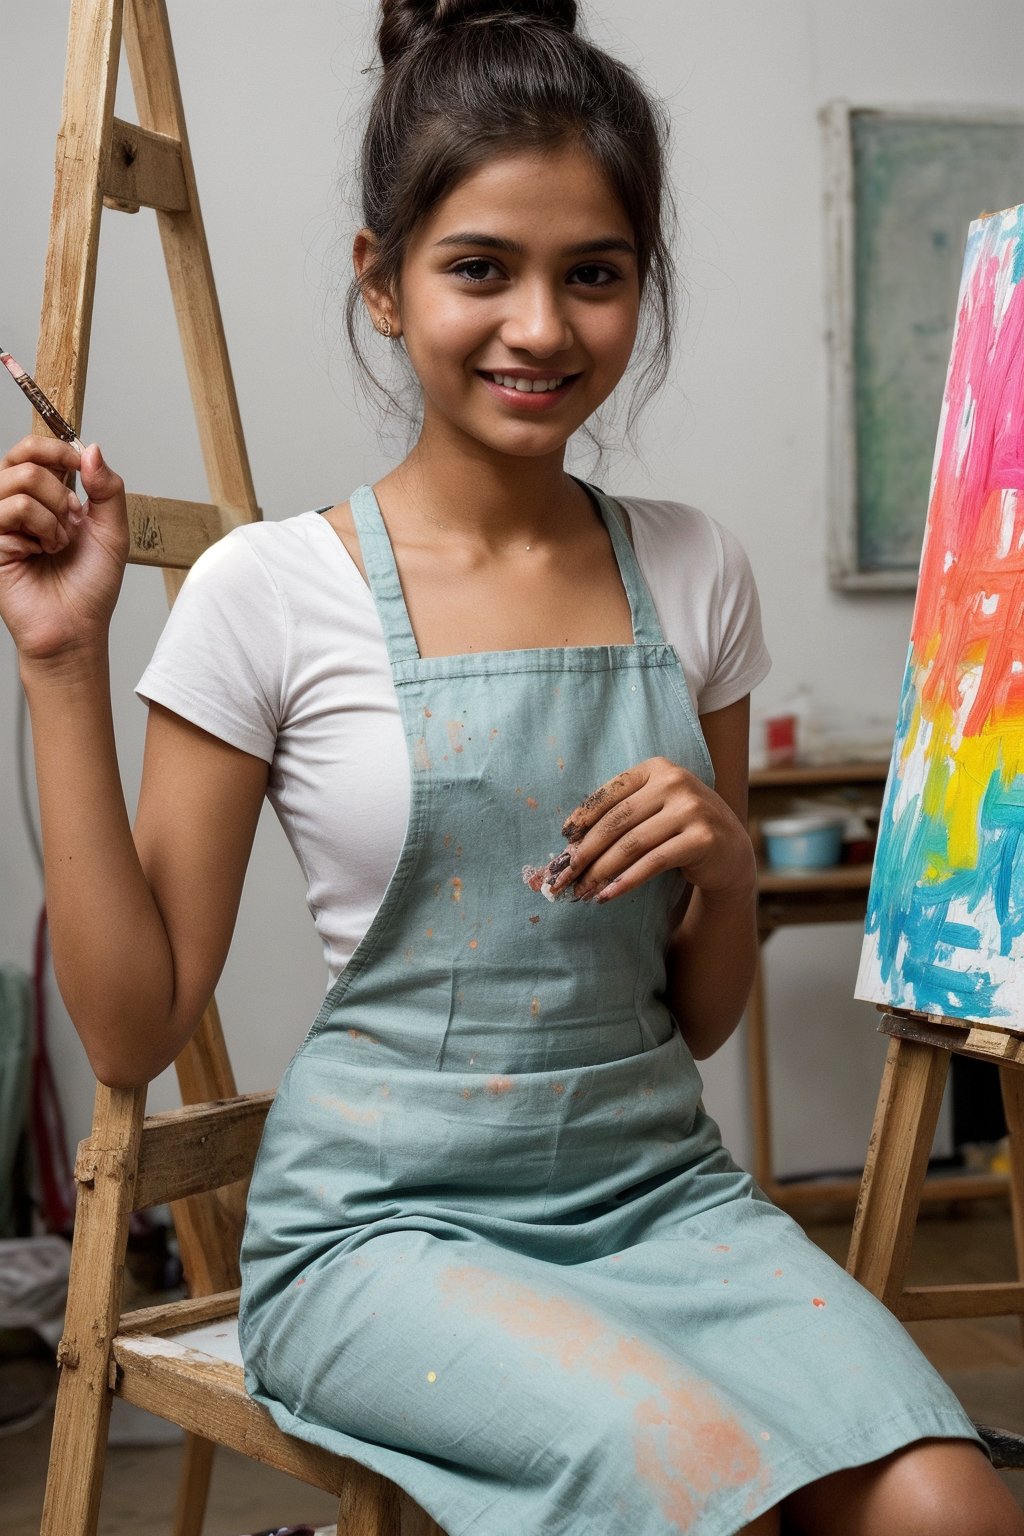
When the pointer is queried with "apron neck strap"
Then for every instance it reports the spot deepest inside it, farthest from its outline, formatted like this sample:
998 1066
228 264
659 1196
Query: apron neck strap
382 575
646 624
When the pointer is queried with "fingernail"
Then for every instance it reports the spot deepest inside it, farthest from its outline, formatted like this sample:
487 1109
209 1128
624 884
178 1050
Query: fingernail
76 512
558 864
606 894
570 831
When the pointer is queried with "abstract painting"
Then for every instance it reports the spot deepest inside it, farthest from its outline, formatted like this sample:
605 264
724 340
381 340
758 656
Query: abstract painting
945 924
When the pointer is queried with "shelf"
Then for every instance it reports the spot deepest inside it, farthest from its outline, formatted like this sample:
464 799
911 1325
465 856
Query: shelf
796 774
843 877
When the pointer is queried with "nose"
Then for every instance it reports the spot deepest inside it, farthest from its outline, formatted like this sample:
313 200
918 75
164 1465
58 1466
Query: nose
536 321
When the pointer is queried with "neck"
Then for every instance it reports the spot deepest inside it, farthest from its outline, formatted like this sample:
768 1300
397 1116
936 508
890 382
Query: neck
497 500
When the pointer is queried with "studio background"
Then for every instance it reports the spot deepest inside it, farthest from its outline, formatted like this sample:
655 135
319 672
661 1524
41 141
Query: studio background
273 99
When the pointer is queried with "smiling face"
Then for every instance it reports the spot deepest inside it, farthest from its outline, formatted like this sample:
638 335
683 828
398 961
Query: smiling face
518 303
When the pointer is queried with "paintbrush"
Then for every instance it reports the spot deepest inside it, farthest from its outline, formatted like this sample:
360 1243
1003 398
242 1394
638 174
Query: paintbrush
46 408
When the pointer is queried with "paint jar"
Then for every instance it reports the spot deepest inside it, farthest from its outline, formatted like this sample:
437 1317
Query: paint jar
811 840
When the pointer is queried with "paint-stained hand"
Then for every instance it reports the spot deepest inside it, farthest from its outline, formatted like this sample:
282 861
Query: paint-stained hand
61 563
649 819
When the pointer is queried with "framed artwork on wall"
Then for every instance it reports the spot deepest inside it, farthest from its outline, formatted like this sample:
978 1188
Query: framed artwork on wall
902 188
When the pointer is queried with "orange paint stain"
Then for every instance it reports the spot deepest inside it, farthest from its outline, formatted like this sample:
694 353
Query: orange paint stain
455 729
560 764
722 1248
532 803
493 733
467 1093
534 1007
300 1282
818 1301
447 840
421 756
499 1085
687 1445
456 885
535 918
430 933
778 1272
429 714
347 1111
360 1034
558 1088
474 943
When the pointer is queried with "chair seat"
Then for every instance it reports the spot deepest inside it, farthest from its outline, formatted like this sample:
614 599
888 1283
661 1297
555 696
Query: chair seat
181 1361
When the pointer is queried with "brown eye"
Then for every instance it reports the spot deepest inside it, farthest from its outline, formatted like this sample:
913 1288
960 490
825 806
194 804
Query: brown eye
477 270
593 275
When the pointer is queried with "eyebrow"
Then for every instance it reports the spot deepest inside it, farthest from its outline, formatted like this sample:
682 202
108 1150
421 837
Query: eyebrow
603 243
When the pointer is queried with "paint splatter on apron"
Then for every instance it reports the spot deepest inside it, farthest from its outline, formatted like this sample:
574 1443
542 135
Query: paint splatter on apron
495 1249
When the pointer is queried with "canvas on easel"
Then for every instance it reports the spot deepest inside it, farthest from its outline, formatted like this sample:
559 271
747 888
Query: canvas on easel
944 933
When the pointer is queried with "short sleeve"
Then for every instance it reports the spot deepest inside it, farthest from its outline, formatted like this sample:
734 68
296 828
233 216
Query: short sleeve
220 660
741 659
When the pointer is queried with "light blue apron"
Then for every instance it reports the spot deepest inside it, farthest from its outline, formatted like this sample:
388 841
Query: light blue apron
495 1249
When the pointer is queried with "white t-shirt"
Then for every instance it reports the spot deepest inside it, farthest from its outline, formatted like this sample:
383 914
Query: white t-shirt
274 645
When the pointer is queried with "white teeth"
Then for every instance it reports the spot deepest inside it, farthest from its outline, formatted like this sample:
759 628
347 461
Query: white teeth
527 386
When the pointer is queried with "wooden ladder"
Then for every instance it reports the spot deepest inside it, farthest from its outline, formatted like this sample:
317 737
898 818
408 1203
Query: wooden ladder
198 1158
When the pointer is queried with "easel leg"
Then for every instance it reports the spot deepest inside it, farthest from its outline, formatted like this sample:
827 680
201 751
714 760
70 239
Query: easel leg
901 1141
1011 1081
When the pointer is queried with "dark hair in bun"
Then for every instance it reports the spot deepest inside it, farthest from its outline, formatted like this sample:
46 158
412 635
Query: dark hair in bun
404 23
465 81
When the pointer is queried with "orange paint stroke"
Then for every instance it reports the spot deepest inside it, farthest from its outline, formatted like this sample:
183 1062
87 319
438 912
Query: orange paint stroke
499 1085
688 1446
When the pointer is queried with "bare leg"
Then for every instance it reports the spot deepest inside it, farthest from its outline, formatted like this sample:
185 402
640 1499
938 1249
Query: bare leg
765 1525
931 1488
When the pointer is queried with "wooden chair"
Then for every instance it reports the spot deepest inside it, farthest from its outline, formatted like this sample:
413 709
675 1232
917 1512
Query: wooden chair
179 1361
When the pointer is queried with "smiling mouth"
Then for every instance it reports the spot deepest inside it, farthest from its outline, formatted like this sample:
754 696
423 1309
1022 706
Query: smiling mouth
530 386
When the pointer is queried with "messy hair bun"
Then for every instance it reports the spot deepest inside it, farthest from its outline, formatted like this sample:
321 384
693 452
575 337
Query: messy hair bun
406 23
469 81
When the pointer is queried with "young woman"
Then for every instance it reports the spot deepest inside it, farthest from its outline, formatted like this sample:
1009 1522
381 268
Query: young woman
495 1248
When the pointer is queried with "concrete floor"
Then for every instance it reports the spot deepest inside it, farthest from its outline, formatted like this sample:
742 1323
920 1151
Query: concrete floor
983 1361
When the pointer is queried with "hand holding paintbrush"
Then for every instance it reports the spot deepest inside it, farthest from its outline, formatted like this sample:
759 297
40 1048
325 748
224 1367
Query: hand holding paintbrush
61 563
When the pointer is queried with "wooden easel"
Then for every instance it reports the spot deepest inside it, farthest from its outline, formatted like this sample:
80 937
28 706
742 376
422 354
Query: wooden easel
917 1064
916 1068
197 1158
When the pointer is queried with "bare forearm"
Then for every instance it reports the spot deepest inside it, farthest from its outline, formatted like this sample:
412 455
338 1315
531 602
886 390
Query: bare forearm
711 968
111 953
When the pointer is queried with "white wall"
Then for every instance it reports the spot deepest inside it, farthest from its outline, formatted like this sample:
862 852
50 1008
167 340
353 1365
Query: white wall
272 97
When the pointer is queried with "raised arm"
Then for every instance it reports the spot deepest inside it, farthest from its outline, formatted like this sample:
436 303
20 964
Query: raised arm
140 924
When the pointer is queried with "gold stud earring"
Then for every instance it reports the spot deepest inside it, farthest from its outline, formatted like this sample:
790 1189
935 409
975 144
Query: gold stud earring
384 326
